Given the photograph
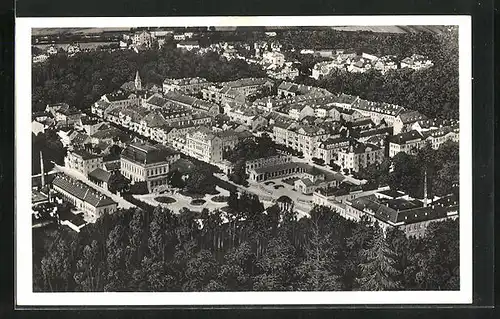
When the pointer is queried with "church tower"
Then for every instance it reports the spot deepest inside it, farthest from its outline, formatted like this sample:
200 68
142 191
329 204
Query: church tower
138 83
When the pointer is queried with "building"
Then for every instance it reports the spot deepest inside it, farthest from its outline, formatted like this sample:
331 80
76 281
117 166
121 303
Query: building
147 163
204 145
185 85
120 98
40 58
236 90
359 155
100 177
312 179
300 137
327 149
409 215
416 62
272 57
188 45
267 161
142 38
408 142
378 111
405 121
93 203
82 161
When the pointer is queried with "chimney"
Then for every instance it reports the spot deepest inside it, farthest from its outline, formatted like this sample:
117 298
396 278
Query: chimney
425 187
42 170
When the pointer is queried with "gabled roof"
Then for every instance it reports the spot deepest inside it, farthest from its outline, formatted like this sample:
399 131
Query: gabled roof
81 191
145 153
411 117
405 137
100 175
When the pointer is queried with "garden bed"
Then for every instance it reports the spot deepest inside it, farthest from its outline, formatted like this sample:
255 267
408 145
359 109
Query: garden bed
279 186
165 199
269 183
220 199
198 202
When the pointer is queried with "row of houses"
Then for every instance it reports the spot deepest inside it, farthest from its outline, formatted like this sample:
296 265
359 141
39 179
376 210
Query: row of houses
360 63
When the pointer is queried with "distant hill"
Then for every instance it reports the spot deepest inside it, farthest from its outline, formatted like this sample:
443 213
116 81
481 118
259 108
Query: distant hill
395 28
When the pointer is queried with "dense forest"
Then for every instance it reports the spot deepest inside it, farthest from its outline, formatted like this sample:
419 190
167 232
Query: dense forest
81 79
245 249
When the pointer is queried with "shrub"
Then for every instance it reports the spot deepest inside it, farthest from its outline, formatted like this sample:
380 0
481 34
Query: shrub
165 199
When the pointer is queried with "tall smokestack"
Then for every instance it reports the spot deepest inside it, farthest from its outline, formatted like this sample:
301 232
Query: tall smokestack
425 187
42 170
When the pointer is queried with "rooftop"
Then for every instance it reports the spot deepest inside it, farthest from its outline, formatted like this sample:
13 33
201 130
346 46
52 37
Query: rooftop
81 191
147 154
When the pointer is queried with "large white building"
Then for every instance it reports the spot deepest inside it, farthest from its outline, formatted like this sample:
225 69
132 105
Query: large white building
359 156
82 161
302 138
147 163
204 145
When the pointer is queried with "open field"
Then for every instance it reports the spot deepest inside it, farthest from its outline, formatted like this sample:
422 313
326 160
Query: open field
82 31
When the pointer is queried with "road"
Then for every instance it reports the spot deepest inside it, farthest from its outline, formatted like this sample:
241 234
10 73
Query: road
122 203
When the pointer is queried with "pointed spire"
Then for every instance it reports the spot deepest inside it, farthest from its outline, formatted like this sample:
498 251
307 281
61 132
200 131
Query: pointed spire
138 82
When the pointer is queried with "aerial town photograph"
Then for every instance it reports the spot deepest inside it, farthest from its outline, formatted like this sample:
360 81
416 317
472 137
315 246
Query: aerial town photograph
196 159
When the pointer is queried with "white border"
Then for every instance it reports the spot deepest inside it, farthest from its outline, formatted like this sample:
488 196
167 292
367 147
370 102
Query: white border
26 297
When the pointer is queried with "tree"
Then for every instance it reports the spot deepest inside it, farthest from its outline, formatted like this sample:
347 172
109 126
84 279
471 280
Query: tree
239 175
118 183
89 274
175 179
277 264
200 272
319 270
378 270
56 267
200 181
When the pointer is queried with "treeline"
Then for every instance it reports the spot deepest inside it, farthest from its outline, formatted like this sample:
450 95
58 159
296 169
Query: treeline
83 78
242 250
406 172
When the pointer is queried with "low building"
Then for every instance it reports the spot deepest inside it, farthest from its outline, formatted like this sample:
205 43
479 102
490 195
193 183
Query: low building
267 161
100 177
82 161
410 216
185 85
93 203
148 163
313 178
188 45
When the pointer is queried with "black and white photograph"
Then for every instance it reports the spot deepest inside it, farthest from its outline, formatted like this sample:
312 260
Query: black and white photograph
258 159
